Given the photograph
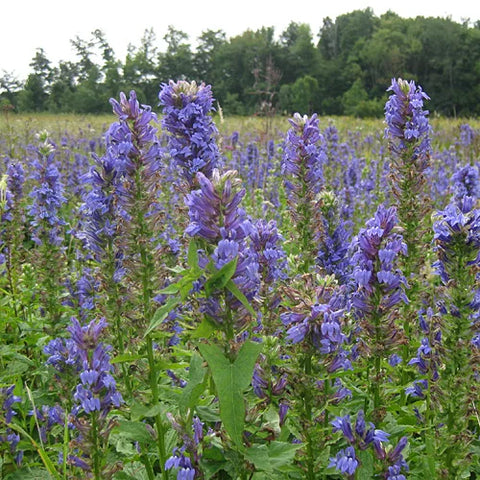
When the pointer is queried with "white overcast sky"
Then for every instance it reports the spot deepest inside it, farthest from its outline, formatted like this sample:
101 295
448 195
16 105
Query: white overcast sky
50 24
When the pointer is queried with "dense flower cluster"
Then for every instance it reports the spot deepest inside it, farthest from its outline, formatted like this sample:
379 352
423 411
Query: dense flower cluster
466 182
217 218
303 158
457 227
48 198
406 119
267 243
376 250
133 138
333 238
96 393
361 436
102 204
321 327
8 436
192 143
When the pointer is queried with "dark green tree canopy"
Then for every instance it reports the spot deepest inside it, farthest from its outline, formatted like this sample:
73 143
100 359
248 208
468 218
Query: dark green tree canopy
345 69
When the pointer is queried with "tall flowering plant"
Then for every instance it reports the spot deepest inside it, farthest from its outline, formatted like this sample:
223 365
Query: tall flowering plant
379 286
222 229
302 166
94 398
408 133
12 231
457 244
48 225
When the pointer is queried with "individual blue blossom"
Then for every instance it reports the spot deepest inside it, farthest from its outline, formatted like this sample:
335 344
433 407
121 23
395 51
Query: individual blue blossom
186 117
345 461
344 425
417 389
394 360
394 473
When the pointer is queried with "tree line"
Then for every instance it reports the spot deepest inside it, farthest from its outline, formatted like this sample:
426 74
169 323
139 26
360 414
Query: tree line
343 70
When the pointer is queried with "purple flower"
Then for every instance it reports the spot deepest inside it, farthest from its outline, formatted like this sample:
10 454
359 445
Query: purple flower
186 116
48 198
458 226
345 461
7 399
376 251
407 122
342 424
466 182
15 180
321 328
216 217
267 244
185 471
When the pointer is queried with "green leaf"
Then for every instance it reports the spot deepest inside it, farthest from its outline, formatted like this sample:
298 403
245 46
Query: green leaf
205 329
195 386
134 432
365 469
161 314
221 277
231 379
258 455
232 288
126 357
282 453
172 289
273 456
192 257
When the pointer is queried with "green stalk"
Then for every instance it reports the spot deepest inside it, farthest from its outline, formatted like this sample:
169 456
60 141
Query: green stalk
160 427
113 303
307 407
142 239
96 448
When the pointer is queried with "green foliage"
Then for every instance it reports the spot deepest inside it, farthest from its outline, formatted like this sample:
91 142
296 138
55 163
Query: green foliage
231 380
355 47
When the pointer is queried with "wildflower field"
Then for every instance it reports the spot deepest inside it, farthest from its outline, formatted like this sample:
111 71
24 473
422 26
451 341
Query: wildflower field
188 298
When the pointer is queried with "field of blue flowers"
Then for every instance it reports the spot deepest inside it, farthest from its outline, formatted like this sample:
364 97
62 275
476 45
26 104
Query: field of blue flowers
180 303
